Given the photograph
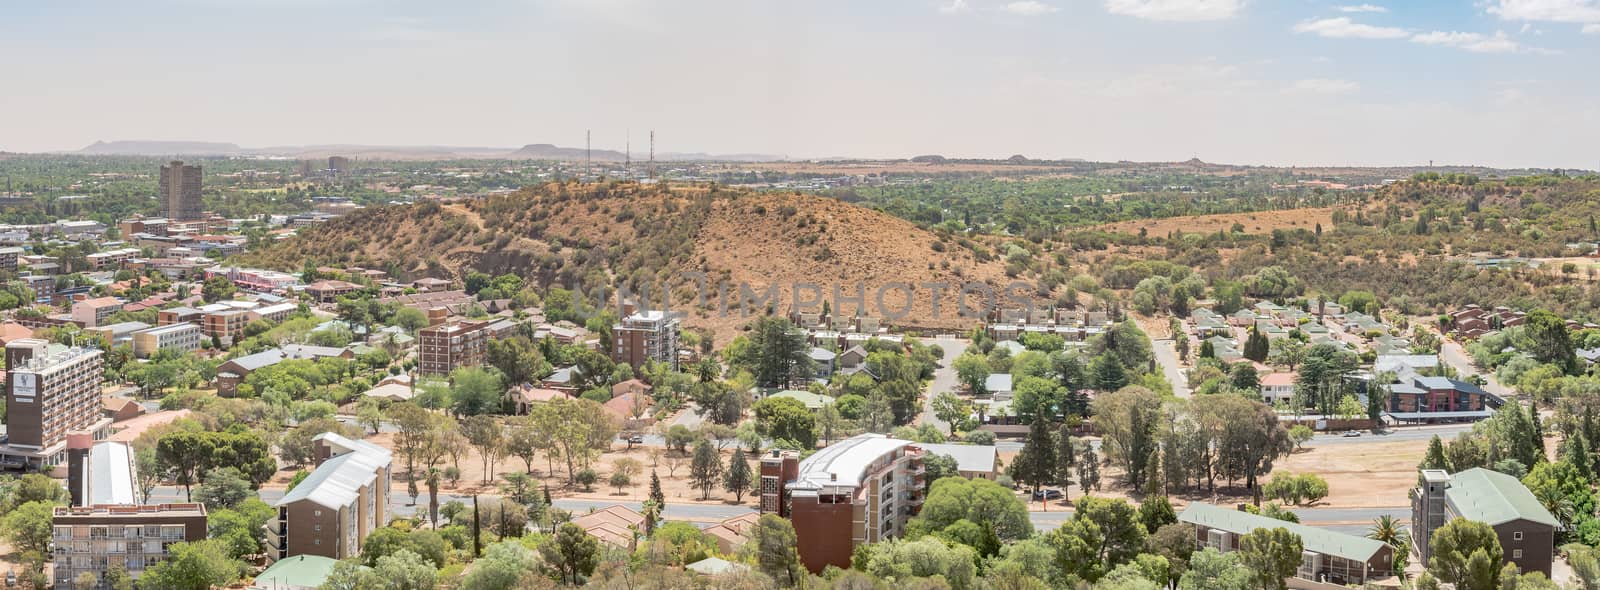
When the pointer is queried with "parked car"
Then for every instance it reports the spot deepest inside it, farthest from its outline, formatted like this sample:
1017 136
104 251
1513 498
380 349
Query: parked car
1352 433
635 439
11 579
1047 495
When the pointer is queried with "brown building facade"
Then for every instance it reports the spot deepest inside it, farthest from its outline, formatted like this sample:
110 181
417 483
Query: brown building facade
180 192
646 336
333 510
50 390
859 490
447 347
1527 531
98 538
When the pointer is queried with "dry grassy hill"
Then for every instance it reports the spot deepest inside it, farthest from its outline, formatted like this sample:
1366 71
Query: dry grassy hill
624 233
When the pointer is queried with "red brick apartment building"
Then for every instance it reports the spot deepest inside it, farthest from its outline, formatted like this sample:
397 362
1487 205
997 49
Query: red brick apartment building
859 490
333 510
447 347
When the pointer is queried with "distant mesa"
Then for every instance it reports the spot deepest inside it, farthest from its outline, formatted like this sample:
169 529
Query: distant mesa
1017 159
160 148
545 151
930 159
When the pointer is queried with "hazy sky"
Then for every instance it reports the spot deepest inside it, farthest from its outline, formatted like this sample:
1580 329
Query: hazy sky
1496 82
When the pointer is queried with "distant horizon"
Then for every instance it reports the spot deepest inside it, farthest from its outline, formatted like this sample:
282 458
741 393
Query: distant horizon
724 156
1495 83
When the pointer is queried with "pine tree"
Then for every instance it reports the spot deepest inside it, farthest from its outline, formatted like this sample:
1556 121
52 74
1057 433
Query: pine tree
1256 347
655 490
737 479
1038 461
1088 469
1575 451
1207 350
1538 427
1434 459
1065 459
1154 484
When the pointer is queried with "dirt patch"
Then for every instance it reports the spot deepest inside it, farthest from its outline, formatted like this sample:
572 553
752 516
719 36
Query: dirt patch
1254 223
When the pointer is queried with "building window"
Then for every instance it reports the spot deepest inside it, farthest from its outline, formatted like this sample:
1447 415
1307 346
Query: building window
1516 536
1516 554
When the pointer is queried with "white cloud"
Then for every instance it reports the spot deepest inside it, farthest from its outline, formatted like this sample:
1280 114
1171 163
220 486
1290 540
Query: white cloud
1344 28
1499 42
955 6
1029 8
1363 8
1324 86
1592 29
1561 11
1176 10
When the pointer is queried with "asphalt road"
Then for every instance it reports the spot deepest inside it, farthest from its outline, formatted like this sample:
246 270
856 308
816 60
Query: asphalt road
1408 433
1167 357
1452 354
944 378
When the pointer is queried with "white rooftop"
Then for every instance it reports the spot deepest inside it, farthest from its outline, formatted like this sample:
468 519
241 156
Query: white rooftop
845 463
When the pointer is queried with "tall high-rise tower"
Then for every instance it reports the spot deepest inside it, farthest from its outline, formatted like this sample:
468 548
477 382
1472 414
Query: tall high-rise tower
180 192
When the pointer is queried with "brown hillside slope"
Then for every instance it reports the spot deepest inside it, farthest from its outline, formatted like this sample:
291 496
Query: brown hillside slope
601 236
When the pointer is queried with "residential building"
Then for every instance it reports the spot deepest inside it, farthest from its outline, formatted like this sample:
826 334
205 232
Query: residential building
1527 531
90 312
447 347
8 259
1436 399
329 291
116 334
182 337
225 326
1327 557
180 192
1277 388
972 461
100 537
859 490
111 259
106 526
230 374
646 336
50 390
175 315
333 510
617 526
273 313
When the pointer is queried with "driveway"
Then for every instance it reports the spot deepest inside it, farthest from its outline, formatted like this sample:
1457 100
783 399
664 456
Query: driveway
1167 357
944 378
1452 354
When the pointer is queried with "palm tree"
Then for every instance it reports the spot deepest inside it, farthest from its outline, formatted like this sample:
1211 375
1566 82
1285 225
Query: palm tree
1559 505
1389 529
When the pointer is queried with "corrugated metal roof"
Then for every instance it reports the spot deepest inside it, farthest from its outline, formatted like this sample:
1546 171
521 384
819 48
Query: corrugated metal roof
338 481
1492 497
110 480
968 457
844 463
1313 539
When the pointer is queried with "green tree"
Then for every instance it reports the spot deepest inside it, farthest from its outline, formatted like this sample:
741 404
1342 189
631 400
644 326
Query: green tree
1036 464
737 479
1212 570
1434 458
1271 555
952 410
223 488
1108 373
28 526
706 468
773 541
1551 342
1156 512
571 553
503 566
972 370
475 390
954 499
196 565
1256 347
1457 544
786 418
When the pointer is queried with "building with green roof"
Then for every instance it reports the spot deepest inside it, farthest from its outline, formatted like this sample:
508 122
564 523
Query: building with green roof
1327 556
301 572
1527 531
